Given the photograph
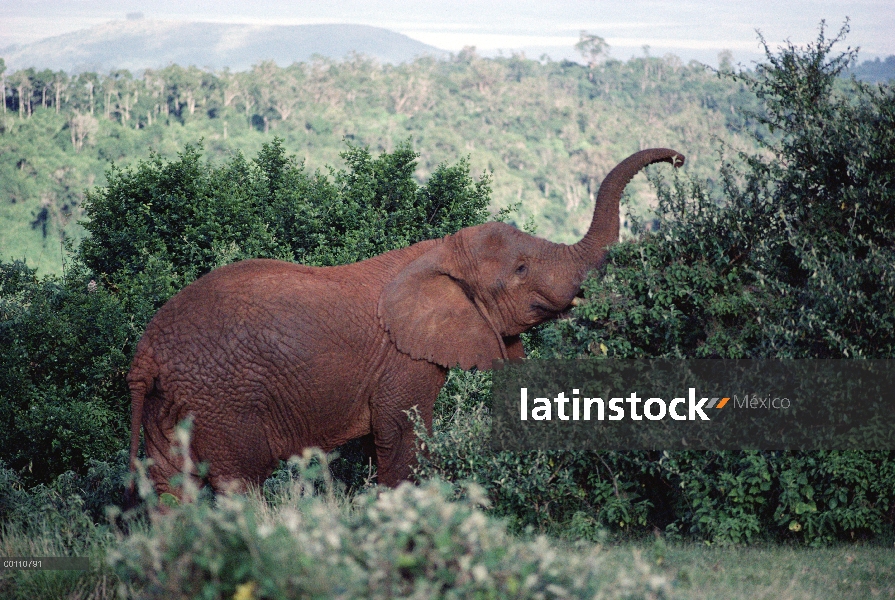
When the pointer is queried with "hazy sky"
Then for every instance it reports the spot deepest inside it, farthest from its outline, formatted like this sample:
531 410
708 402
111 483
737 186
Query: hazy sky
689 28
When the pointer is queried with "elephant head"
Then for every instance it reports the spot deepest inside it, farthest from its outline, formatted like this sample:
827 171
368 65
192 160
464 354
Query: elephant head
466 301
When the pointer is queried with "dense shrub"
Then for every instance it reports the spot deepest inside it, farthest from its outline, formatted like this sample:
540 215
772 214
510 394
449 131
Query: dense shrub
76 499
63 518
64 351
814 497
725 497
193 216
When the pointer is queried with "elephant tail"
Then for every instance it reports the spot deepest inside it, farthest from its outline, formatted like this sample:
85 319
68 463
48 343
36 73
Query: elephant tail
141 381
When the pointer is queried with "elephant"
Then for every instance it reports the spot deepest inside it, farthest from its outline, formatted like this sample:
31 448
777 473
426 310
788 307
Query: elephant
270 357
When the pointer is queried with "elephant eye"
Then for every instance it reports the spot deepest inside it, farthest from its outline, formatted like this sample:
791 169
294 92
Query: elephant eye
521 270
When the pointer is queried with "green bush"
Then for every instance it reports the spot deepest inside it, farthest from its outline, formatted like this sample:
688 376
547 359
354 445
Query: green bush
724 497
70 499
64 518
412 541
64 350
192 216
812 497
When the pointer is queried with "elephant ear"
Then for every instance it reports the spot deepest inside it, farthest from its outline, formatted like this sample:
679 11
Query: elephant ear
429 315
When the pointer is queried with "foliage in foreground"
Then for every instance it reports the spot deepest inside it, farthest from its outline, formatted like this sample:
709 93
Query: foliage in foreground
304 538
411 541
307 539
65 518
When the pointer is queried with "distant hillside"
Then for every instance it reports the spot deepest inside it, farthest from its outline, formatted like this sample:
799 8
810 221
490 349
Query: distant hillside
144 43
875 71
547 133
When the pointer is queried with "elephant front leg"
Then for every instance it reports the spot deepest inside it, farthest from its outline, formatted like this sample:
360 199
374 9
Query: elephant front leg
395 443
393 433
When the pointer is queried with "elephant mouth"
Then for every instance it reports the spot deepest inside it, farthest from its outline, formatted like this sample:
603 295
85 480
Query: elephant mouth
575 302
544 312
543 308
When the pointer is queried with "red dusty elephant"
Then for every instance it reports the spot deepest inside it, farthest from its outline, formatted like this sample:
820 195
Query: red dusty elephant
271 357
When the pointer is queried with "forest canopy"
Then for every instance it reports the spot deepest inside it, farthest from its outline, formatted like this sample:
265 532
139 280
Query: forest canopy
546 132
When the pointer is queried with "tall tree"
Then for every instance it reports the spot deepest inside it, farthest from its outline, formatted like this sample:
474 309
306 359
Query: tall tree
21 81
125 94
109 91
286 89
245 81
81 127
42 83
154 83
60 82
263 75
592 48
3 83
230 87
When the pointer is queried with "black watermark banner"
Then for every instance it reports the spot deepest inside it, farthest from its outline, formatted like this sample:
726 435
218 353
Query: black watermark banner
45 563
694 405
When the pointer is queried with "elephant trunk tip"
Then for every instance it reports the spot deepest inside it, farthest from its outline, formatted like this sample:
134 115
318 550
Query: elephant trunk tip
604 228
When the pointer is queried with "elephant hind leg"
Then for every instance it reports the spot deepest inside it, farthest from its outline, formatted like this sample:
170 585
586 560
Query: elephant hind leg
395 457
166 467
238 455
235 458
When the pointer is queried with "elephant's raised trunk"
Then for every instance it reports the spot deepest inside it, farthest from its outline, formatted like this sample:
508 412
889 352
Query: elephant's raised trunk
603 231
